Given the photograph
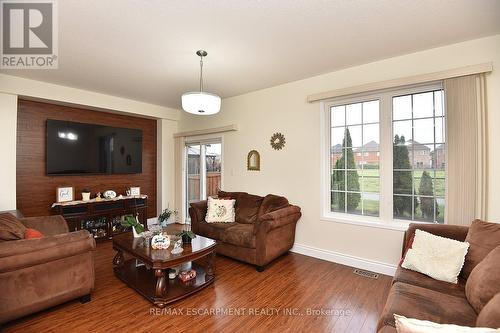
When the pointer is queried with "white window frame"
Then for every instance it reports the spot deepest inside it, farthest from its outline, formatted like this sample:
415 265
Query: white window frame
201 140
385 219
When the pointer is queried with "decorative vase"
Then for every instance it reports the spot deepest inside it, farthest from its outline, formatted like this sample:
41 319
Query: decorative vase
186 239
85 196
136 235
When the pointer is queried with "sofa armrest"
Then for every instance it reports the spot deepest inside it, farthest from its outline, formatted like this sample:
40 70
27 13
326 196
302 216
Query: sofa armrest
30 252
47 225
197 212
457 232
277 218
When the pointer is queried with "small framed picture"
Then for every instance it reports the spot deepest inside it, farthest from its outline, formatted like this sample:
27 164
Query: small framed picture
135 190
65 194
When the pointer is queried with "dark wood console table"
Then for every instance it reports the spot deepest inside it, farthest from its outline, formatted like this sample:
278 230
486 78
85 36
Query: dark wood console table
102 218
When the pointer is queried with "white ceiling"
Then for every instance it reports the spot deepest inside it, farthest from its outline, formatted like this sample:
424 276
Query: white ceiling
145 50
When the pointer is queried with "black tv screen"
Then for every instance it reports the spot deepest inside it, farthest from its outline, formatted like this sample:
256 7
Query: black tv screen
79 148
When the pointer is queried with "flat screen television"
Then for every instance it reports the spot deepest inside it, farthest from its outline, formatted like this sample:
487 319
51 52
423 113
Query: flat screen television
79 148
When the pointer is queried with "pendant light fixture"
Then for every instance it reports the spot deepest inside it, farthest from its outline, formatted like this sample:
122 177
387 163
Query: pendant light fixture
200 102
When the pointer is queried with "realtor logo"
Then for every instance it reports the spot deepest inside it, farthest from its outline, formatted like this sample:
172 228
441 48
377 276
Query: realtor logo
29 34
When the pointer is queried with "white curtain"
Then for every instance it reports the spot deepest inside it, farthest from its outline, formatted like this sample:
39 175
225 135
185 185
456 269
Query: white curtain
467 153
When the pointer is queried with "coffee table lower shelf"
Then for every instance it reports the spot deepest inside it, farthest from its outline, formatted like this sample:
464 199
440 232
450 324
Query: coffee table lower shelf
155 285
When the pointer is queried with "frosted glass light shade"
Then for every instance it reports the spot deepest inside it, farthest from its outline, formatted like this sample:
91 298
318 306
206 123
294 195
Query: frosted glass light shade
201 103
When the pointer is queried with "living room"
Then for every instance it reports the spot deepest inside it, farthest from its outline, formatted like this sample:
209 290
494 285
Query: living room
269 166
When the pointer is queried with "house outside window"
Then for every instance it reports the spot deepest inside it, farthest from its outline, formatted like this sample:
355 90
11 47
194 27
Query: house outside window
386 156
203 170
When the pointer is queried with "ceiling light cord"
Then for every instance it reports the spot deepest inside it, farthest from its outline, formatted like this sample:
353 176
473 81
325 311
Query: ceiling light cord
201 73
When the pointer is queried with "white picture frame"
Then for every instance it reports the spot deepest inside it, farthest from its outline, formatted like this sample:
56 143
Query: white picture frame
65 194
135 191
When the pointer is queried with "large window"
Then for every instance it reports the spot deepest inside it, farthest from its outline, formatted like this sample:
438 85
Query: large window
419 156
203 170
354 158
387 156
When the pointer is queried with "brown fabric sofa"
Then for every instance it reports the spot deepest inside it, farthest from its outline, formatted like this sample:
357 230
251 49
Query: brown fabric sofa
264 227
473 301
39 273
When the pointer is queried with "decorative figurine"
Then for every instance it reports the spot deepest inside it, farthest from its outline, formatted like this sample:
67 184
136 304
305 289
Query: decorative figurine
109 194
160 242
98 196
177 247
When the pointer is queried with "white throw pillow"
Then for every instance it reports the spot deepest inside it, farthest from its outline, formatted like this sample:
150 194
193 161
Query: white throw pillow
220 211
410 325
438 257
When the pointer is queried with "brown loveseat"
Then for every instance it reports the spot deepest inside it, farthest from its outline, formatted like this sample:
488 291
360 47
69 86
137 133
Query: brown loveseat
473 301
264 227
39 273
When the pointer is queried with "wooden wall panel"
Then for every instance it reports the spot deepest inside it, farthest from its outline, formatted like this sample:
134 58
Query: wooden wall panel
36 191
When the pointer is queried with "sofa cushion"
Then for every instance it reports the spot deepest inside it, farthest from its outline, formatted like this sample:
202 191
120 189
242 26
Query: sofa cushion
240 234
482 237
247 205
213 230
271 203
484 281
438 257
219 210
490 314
11 227
412 325
425 304
421 280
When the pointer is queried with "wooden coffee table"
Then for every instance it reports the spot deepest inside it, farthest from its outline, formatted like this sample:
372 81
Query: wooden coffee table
151 279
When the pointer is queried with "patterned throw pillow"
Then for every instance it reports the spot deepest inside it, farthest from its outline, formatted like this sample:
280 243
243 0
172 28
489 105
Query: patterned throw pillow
220 211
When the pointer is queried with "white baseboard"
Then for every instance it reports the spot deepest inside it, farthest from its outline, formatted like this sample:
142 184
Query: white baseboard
344 259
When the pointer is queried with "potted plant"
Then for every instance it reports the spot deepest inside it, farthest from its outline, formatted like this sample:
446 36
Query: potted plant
165 216
85 194
187 236
131 221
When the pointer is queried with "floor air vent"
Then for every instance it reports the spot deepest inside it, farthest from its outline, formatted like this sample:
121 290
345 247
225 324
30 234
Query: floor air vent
366 274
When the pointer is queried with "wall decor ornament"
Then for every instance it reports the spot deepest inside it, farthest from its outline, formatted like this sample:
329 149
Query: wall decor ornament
253 161
135 190
278 141
65 194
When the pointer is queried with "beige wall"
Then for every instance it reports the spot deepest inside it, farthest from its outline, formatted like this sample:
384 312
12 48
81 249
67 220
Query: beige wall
295 171
11 87
8 124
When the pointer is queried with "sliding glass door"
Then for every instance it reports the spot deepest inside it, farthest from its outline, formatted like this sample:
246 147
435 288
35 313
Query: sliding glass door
203 170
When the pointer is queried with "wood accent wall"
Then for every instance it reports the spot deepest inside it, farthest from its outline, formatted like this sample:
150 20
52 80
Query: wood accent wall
36 191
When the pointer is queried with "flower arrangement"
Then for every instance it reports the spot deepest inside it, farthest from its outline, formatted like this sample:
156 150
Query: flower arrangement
165 215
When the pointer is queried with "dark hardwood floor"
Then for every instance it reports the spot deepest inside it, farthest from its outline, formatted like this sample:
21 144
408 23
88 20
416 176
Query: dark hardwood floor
276 300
